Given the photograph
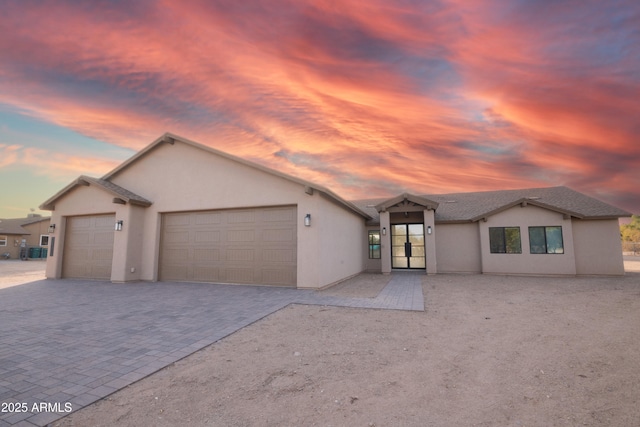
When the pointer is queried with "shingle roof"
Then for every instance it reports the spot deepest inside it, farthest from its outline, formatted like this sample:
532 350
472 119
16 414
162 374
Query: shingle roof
123 193
14 225
120 192
466 207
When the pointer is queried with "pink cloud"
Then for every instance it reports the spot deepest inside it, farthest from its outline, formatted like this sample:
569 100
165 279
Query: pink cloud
449 97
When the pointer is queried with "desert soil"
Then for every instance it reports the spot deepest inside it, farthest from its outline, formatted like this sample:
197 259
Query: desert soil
488 351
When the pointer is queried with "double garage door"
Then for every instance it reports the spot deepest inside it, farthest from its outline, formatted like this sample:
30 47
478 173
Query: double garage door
253 246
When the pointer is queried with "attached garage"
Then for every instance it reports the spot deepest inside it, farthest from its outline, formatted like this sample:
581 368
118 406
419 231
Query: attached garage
88 250
251 246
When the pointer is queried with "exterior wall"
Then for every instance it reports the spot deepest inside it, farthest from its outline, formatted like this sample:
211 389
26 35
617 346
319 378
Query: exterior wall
458 248
372 265
339 248
430 242
36 230
598 247
84 200
13 245
527 263
180 177
32 239
385 242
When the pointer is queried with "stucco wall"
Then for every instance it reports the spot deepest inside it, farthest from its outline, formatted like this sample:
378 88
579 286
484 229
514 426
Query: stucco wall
371 265
340 234
598 247
181 177
458 248
84 200
13 245
36 230
527 263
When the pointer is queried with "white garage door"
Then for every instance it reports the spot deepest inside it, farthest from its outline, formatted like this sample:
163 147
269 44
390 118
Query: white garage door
88 247
252 246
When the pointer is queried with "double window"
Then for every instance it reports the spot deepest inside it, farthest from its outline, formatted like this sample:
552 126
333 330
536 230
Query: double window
546 240
374 244
3 240
542 240
505 240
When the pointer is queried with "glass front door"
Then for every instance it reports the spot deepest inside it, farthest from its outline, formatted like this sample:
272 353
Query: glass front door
407 246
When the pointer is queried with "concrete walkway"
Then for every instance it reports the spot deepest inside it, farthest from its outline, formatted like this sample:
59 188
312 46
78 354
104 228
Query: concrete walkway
65 344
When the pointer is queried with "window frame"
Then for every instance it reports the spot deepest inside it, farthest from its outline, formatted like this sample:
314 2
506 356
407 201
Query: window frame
4 240
545 229
41 238
504 248
372 245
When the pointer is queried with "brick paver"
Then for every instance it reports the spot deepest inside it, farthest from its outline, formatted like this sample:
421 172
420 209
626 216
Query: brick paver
69 341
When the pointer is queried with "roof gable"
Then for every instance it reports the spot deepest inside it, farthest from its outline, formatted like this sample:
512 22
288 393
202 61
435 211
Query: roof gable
169 138
16 225
474 206
121 195
406 202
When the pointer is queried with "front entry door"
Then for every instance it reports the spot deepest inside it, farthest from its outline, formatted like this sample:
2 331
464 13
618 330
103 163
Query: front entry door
407 246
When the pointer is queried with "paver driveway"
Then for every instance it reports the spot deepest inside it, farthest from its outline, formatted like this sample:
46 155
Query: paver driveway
70 343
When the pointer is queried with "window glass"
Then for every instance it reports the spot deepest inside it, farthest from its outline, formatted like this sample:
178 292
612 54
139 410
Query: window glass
505 240
554 240
44 240
537 241
512 240
546 240
400 262
399 230
3 240
374 244
417 262
496 240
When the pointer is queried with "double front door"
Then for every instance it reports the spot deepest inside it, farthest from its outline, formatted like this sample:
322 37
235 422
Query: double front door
407 246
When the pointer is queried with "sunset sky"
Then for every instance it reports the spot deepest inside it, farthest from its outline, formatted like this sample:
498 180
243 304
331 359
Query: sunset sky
366 97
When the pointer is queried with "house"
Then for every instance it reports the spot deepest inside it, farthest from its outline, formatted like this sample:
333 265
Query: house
30 233
180 211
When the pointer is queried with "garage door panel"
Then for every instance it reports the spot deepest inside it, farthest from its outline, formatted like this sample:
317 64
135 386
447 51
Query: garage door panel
279 235
88 247
242 216
208 218
207 236
279 256
206 274
275 276
206 255
240 256
241 235
240 275
231 246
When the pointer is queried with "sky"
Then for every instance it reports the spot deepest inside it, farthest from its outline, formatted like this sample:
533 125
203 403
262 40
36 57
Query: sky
366 97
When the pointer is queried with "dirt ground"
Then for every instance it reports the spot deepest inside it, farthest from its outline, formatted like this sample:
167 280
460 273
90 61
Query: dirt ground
488 351
17 272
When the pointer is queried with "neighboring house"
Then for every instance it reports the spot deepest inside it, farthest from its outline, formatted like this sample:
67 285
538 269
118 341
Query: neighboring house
30 232
181 211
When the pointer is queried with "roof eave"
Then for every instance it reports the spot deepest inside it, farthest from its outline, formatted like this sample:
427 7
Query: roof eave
524 202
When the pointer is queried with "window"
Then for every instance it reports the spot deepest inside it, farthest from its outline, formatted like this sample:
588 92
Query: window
3 240
374 244
44 240
546 240
505 240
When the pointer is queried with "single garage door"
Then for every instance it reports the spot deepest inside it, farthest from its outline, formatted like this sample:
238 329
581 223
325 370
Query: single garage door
88 247
252 246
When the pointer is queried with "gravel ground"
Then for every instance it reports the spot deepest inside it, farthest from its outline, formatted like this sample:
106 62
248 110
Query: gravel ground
488 351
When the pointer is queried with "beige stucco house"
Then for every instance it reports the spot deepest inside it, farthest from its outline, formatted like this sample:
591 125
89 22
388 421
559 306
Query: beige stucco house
181 211
25 234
